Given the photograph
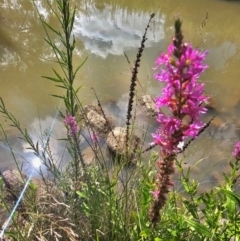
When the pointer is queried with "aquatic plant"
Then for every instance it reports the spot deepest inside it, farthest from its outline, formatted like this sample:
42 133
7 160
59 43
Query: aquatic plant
183 97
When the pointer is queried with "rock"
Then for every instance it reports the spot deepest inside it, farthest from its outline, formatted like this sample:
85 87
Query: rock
14 181
89 156
116 142
149 106
88 108
94 156
101 125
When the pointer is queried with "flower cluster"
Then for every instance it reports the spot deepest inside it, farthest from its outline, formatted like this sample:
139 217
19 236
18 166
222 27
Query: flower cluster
183 95
236 151
71 124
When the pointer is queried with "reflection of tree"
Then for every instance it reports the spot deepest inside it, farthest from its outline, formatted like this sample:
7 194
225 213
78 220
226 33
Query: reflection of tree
21 46
19 26
133 5
22 51
21 31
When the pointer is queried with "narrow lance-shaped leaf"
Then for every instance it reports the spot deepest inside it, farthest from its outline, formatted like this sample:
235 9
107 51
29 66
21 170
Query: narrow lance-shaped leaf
58 75
72 20
84 61
198 227
51 78
49 26
233 196
58 96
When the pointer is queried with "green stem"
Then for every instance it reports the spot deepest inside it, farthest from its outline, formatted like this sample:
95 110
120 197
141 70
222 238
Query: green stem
67 32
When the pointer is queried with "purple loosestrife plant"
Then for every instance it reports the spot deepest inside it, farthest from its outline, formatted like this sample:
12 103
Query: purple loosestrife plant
71 125
236 151
183 96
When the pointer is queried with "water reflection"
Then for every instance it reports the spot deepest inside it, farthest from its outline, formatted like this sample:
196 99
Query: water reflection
104 33
41 130
218 56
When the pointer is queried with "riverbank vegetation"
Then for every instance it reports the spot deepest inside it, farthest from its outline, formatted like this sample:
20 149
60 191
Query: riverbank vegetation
132 195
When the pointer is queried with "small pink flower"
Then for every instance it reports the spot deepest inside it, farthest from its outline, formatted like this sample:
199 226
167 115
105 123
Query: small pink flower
155 194
71 124
236 151
94 137
193 130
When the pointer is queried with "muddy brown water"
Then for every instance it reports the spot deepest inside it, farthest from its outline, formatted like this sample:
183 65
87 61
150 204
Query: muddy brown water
104 30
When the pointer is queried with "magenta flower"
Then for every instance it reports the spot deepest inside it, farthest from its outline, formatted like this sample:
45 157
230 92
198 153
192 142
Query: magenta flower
94 137
170 124
71 124
236 150
182 98
193 130
183 95
155 194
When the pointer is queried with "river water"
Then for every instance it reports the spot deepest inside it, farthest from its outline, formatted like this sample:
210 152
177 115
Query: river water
104 30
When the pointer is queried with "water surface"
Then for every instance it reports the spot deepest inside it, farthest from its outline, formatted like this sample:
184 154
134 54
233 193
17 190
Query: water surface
104 30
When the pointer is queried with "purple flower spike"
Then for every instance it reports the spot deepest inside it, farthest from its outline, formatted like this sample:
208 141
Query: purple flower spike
71 124
182 95
236 151
182 98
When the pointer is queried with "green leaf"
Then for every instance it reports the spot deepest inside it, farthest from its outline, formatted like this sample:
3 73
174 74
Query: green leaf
51 78
72 20
61 86
81 194
76 91
158 239
58 96
198 227
185 184
49 26
58 75
145 233
84 61
1 181
86 207
231 195
172 232
54 47
13 235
